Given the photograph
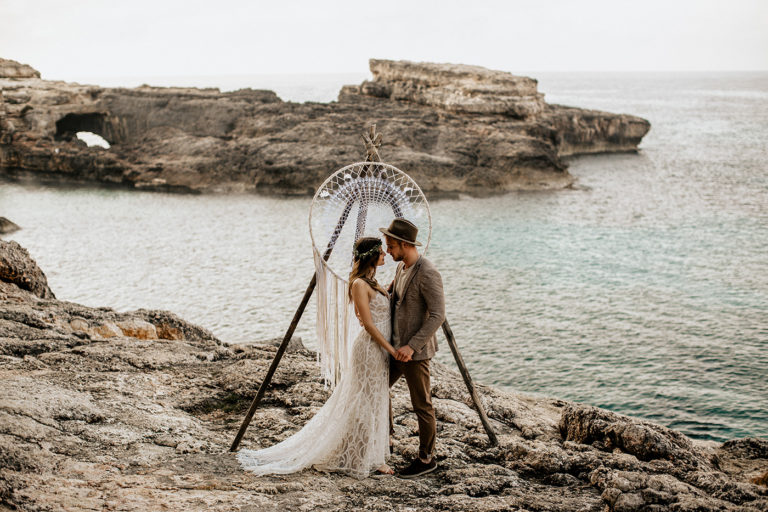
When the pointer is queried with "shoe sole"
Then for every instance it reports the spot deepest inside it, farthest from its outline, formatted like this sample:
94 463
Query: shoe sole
408 477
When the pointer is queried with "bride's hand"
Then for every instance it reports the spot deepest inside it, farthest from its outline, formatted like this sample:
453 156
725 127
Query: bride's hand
404 353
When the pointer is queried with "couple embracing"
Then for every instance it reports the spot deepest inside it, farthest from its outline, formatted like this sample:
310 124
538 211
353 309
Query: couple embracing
351 432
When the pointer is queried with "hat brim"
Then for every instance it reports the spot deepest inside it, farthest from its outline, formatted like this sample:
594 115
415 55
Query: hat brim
384 230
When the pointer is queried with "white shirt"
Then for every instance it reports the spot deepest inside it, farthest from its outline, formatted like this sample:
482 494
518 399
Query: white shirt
399 290
400 283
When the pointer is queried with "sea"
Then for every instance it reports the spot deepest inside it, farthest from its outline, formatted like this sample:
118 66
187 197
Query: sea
643 289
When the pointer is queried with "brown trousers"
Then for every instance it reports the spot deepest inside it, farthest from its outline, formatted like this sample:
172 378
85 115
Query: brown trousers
416 375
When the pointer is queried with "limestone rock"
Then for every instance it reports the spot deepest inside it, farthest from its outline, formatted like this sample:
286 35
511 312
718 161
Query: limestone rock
7 227
749 448
107 330
580 131
140 329
607 430
453 128
294 345
93 419
18 267
12 69
455 87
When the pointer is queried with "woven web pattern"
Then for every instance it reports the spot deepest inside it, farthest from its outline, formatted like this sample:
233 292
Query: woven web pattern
356 201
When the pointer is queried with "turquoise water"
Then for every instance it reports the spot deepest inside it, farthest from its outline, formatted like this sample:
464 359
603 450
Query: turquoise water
643 290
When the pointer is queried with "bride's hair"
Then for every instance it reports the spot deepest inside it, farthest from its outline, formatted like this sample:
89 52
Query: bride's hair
367 251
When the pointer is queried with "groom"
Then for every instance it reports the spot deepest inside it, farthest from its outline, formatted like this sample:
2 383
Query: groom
418 311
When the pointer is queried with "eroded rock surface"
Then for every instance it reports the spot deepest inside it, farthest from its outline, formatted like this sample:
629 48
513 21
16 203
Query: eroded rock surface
453 128
455 88
12 69
136 411
18 267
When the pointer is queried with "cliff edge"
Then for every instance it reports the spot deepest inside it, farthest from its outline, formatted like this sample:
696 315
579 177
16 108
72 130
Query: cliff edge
453 128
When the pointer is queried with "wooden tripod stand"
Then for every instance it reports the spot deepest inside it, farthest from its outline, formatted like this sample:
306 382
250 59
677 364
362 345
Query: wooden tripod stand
372 142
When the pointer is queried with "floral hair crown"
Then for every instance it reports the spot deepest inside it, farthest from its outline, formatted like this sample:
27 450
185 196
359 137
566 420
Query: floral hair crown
370 252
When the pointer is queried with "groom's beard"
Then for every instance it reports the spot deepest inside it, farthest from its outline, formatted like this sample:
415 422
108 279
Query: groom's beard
396 251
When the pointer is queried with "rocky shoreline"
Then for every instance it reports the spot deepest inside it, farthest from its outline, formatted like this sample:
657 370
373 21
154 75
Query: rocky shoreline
103 410
453 128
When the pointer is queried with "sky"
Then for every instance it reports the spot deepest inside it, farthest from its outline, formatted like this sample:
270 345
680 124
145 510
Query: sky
66 40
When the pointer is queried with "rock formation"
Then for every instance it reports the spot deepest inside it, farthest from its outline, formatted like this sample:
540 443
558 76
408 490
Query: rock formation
101 410
7 226
17 267
13 69
454 88
453 128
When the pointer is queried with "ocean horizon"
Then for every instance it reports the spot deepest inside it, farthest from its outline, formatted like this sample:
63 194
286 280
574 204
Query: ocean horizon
324 87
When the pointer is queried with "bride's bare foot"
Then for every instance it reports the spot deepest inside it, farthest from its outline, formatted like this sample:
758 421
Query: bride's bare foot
385 470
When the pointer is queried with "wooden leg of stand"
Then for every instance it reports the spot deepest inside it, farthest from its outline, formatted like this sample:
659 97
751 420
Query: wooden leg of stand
468 381
275 362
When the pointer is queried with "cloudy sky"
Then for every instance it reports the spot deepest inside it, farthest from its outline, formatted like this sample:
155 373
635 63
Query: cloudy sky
77 38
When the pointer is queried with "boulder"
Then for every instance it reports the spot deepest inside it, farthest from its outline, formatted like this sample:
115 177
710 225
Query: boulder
18 267
610 431
7 227
294 345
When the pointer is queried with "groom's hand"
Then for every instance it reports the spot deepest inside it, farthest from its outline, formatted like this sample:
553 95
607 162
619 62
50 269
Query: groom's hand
404 354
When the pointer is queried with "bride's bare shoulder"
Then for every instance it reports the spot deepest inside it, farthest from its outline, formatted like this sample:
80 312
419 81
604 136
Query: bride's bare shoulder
359 284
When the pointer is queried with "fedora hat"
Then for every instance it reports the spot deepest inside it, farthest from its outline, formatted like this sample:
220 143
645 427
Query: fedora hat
403 230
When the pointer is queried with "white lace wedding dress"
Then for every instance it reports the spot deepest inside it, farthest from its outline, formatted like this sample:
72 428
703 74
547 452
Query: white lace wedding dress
350 432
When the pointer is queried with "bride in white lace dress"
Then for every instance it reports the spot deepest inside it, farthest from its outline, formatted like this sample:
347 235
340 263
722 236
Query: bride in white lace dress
350 433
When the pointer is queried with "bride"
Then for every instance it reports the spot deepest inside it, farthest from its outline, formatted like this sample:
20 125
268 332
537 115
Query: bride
350 433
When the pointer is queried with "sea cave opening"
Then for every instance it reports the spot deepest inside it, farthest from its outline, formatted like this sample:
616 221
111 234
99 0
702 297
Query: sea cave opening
87 127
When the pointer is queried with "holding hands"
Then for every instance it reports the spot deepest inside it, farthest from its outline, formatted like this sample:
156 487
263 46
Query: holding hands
404 354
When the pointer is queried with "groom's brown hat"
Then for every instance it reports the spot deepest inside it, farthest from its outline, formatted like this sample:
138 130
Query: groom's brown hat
403 230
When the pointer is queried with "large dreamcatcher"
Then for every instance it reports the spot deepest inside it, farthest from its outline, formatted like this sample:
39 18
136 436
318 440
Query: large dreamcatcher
354 202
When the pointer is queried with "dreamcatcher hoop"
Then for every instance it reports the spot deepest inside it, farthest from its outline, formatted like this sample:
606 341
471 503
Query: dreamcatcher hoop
353 202
370 195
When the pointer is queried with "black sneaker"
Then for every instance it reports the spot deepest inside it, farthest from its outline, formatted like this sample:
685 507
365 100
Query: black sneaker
418 468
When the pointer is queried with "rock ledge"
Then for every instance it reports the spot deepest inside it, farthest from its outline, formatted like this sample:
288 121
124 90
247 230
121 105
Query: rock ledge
102 410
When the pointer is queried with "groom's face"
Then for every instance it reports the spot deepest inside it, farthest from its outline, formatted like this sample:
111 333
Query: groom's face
395 248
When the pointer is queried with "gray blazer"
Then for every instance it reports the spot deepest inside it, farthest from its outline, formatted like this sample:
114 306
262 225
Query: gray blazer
420 312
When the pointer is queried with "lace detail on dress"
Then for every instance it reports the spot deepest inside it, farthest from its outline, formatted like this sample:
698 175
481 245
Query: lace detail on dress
350 432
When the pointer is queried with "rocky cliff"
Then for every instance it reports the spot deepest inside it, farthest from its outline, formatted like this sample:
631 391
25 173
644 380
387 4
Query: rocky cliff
101 410
453 128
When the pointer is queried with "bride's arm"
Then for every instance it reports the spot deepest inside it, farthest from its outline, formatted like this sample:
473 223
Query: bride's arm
362 298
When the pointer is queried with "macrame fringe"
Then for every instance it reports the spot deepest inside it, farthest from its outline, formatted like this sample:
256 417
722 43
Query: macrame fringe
337 325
